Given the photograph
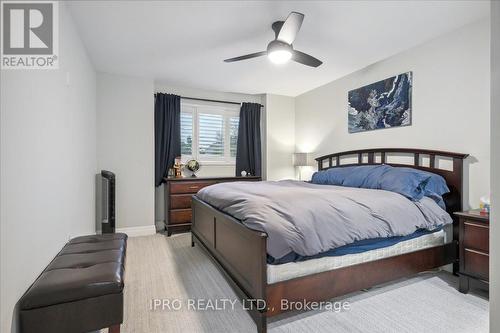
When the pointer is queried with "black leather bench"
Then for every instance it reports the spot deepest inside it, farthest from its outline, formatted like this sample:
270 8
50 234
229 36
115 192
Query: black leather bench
81 290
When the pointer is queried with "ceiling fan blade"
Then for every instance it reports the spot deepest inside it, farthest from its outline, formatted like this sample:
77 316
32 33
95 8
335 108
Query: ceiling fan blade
290 28
305 59
246 56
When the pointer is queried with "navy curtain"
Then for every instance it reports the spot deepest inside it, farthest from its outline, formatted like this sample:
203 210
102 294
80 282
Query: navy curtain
248 153
167 134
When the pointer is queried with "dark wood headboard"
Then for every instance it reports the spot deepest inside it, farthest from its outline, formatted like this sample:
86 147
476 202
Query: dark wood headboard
454 178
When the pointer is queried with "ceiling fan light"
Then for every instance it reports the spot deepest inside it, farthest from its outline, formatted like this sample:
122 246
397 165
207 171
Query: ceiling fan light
280 56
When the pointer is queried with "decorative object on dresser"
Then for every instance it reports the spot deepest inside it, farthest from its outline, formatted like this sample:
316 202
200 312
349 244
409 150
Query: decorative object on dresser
178 167
178 193
193 166
474 245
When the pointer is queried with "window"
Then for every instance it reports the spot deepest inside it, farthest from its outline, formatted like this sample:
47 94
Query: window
209 133
186 133
233 135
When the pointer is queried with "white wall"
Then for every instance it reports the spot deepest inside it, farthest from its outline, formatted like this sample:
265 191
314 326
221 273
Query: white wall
280 137
495 170
205 170
125 146
48 162
450 105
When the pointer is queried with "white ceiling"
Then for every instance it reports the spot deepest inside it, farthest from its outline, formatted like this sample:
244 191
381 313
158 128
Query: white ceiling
183 43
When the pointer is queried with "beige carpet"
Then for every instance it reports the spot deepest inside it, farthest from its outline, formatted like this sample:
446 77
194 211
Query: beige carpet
169 268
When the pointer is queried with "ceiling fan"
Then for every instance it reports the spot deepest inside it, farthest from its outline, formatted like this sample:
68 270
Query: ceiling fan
280 50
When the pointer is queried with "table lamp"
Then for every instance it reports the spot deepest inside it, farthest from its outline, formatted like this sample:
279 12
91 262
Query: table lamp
300 160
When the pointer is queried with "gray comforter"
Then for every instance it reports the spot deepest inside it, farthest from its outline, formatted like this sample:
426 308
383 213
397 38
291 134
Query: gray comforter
309 219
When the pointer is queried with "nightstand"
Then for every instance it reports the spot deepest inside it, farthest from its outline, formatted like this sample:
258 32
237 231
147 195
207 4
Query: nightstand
474 244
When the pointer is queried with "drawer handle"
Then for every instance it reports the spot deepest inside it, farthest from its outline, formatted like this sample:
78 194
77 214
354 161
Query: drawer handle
193 187
476 225
477 252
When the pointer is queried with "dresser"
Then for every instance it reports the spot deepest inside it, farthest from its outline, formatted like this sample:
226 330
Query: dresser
178 193
474 243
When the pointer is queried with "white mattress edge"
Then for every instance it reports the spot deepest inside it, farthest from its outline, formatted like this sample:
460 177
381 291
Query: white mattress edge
283 272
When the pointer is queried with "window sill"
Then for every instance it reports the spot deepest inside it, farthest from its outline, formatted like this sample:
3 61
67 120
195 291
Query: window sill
214 163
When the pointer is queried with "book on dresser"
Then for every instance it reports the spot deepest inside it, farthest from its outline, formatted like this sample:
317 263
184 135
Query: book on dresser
178 193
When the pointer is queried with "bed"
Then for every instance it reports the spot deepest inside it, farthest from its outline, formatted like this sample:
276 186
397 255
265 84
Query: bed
241 251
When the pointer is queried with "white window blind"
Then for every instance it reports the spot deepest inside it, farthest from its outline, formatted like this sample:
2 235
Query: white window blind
187 133
209 133
233 135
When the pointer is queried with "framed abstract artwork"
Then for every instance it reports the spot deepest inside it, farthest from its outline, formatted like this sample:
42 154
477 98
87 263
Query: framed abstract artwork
382 104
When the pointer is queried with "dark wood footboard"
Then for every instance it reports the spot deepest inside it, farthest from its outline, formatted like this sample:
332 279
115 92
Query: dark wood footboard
238 249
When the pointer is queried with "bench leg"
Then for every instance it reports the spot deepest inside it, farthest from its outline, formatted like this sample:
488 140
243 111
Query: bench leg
114 329
261 323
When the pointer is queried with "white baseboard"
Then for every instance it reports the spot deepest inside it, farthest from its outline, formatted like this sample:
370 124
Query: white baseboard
138 231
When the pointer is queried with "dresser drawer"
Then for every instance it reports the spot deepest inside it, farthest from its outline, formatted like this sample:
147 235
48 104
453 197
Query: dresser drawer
476 236
188 187
178 216
180 201
476 263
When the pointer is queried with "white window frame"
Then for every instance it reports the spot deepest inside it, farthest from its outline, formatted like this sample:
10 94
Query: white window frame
227 111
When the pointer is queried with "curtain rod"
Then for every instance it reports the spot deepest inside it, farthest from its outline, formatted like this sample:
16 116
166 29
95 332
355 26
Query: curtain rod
213 100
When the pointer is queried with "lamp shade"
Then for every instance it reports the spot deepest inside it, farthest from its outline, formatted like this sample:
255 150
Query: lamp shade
300 159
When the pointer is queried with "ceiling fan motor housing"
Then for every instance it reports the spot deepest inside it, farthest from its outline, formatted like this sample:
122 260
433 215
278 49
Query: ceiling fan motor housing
277 45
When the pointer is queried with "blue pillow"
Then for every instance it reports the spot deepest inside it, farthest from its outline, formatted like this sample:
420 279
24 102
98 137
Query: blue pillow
334 176
366 176
436 184
353 176
412 183
435 188
405 181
